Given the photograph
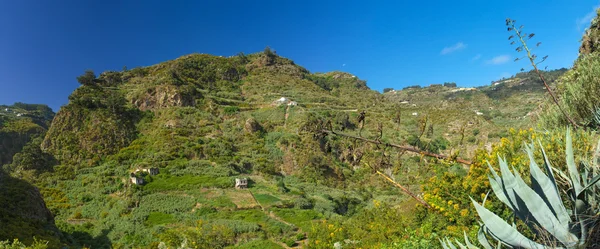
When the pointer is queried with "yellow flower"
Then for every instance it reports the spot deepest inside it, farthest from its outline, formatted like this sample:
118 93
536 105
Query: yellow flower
377 203
331 234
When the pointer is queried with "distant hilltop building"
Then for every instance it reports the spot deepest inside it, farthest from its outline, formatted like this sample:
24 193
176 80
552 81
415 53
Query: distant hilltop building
463 89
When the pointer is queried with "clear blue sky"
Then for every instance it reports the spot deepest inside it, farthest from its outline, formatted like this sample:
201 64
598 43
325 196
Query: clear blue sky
44 44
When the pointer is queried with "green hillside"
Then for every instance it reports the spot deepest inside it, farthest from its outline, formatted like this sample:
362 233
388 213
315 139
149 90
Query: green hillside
23 213
149 157
204 121
470 117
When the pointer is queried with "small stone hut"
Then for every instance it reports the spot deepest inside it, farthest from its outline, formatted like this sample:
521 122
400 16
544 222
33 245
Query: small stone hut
241 183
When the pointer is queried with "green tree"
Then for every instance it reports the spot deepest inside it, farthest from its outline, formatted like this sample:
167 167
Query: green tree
449 84
88 78
385 90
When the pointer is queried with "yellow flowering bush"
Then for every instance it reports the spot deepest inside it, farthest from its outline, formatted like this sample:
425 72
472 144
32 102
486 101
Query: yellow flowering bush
368 229
448 192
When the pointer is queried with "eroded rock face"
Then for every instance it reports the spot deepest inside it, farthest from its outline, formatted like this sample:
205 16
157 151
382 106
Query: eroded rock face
165 96
79 134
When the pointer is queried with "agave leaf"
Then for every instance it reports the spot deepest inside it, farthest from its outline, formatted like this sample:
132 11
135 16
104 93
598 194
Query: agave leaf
542 214
573 172
497 185
450 244
502 230
444 245
499 191
551 169
482 239
468 243
544 186
548 167
508 182
460 244
591 183
485 198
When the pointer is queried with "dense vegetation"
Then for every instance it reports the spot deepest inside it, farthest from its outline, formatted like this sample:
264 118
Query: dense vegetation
204 121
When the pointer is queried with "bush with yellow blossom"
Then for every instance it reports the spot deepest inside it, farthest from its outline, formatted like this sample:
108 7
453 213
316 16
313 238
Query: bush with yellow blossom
448 192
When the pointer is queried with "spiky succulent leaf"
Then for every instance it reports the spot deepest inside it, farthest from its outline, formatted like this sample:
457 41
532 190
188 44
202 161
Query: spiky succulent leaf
508 182
571 166
450 245
546 188
548 167
542 214
482 238
460 244
502 230
468 243
591 183
499 191
444 245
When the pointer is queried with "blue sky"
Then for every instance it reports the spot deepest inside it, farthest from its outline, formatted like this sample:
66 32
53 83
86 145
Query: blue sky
45 45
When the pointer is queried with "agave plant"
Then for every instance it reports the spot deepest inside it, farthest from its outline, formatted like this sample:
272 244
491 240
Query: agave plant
540 205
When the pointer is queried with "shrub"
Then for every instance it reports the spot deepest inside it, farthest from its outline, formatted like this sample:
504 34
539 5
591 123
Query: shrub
16 244
303 203
579 91
289 242
231 109
448 191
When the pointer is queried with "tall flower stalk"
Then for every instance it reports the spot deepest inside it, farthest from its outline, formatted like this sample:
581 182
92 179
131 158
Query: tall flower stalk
533 59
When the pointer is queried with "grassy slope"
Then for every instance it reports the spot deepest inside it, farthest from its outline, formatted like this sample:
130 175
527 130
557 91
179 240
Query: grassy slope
191 125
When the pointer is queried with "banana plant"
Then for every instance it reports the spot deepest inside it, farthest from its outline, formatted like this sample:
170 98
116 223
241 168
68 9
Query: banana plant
540 205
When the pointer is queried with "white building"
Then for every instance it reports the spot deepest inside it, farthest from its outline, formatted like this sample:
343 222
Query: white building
136 180
241 183
281 101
